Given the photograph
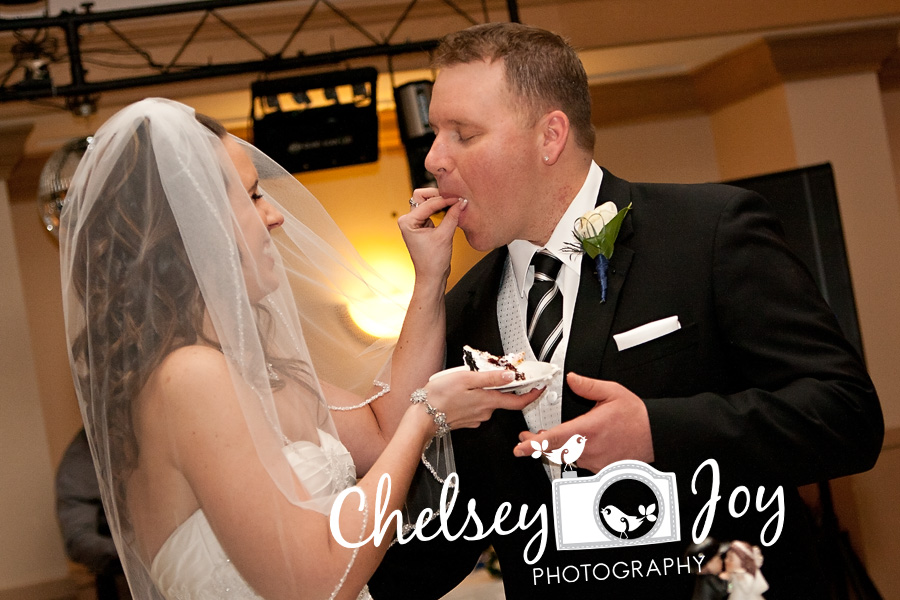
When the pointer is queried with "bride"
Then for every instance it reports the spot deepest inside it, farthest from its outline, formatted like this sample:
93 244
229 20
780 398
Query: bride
204 293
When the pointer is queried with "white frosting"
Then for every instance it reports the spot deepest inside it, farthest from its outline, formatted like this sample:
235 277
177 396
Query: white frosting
479 360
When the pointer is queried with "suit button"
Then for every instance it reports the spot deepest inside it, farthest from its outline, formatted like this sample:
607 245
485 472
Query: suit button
552 398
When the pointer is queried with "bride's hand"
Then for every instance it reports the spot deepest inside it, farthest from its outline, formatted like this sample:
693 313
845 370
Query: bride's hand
429 245
462 397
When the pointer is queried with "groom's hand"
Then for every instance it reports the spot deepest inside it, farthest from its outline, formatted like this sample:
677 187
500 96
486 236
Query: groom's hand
616 428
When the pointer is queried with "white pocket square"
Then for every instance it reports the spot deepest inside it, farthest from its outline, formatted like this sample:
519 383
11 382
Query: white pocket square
646 332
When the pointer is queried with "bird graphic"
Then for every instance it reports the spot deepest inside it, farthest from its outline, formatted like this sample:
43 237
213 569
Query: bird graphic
621 523
565 455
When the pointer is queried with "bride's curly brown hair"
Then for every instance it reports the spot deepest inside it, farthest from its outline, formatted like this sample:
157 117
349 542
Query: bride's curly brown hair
135 265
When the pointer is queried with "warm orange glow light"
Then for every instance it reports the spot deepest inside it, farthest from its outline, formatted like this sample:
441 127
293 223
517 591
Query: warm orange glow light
382 317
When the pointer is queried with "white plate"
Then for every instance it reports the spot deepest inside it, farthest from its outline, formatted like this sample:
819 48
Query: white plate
536 373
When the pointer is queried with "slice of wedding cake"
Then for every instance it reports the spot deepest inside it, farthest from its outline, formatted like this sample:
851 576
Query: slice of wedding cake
478 360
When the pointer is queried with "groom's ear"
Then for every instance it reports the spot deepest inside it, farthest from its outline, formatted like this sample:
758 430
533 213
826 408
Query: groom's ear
554 131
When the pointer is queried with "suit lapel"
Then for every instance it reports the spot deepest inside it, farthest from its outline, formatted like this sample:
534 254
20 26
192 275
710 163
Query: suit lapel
592 319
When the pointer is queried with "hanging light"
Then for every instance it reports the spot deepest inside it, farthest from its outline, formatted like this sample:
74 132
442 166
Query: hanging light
55 179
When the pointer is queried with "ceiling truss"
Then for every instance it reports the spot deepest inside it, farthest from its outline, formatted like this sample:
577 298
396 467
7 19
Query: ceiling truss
75 56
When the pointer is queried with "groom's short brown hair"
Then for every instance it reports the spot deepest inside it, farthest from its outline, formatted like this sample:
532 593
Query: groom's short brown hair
542 70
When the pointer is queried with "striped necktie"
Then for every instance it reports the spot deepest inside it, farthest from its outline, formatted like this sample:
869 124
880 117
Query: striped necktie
545 306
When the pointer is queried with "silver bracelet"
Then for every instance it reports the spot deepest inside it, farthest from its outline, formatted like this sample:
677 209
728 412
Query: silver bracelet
420 396
385 388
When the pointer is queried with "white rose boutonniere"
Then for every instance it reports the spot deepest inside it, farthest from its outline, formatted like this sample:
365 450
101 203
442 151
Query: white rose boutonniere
596 233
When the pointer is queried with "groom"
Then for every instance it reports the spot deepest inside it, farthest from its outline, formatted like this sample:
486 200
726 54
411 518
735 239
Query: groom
755 375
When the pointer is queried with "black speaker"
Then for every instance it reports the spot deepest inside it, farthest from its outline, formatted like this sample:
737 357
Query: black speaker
412 100
806 202
317 121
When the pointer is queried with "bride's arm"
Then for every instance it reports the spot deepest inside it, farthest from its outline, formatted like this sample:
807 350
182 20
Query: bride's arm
282 550
419 352
420 347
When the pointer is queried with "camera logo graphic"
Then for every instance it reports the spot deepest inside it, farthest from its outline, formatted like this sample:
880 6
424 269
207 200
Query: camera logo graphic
629 503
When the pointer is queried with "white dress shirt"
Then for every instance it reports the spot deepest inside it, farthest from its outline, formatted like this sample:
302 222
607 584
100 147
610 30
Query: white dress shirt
512 301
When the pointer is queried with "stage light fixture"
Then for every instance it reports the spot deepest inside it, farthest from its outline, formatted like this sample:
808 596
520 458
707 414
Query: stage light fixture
317 121
412 100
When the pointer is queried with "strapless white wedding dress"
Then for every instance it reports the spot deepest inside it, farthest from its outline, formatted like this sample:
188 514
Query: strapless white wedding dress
192 565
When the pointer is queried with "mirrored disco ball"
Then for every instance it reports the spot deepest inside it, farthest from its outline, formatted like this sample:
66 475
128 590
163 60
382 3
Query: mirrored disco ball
55 179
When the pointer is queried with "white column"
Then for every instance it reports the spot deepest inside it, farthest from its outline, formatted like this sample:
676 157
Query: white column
841 120
31 550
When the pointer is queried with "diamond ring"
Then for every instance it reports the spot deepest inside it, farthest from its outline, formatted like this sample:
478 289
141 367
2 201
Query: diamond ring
413 203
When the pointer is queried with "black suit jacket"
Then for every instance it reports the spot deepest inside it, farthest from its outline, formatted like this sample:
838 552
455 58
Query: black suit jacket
759 377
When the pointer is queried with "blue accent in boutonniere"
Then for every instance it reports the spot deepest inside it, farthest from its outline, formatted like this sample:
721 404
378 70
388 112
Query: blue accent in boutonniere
596 233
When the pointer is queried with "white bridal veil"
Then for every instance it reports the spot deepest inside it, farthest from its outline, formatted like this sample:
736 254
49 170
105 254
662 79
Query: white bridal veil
161 247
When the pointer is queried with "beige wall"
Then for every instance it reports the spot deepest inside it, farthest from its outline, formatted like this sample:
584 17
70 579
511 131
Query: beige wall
891 100
841 120
30 545
877 493
753 135
680 149
39 272
592 23
876 496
